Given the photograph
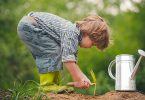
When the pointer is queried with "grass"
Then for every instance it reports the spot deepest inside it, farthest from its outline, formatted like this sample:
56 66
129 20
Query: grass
29 90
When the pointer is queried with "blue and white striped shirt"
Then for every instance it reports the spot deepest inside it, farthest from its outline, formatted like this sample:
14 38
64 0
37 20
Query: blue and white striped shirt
64 32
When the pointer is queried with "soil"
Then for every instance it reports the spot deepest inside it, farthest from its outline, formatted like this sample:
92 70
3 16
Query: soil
5 95
113 95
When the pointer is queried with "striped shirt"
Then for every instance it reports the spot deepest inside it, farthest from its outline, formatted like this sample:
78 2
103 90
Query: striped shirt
64 32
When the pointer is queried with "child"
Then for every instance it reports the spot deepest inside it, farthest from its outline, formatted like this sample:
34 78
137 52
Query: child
54 41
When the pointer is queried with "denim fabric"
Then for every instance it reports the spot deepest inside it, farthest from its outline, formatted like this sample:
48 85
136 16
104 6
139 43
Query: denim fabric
51 40
62 31
44 49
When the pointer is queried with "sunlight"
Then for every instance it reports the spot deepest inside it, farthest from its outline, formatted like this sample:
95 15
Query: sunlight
127 5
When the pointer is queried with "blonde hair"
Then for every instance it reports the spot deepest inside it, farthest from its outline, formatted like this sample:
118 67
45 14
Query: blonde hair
97 29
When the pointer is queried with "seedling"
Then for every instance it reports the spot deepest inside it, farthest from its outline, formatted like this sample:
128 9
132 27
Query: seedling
94 80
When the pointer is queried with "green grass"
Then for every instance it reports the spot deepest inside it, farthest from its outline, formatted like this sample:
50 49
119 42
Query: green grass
29 90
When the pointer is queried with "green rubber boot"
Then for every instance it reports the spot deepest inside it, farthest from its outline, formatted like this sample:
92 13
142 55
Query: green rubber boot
50 83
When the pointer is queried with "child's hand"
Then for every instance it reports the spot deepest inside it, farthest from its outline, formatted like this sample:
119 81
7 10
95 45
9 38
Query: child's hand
83 83
80 79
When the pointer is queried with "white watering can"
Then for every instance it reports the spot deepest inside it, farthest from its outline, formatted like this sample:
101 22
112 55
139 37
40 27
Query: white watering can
125 71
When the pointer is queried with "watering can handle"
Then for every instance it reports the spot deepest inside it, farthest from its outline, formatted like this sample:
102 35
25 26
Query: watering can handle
109 69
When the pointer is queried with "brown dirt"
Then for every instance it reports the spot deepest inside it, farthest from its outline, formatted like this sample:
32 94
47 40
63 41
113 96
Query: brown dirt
5 95
113 95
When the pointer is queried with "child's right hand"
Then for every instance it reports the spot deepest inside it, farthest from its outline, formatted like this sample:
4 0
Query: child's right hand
83 83
80 79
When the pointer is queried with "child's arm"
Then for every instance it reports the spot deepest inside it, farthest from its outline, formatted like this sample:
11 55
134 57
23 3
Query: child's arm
81 81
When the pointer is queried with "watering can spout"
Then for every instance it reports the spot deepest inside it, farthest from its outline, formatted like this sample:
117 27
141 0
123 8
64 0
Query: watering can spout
142 53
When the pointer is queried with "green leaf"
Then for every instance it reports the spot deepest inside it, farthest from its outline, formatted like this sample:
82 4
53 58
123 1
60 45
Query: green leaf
93 76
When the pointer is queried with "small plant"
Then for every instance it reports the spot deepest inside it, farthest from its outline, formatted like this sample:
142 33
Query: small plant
94 80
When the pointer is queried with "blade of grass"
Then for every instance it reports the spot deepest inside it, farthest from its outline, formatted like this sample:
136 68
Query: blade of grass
17 96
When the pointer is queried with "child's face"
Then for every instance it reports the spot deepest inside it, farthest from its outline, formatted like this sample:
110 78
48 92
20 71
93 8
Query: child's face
86 42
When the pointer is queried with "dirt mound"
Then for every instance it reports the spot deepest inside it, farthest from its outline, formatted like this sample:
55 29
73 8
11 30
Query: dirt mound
113 95
122 96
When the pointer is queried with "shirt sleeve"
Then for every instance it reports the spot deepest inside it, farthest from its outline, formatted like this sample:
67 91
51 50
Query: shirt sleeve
69 44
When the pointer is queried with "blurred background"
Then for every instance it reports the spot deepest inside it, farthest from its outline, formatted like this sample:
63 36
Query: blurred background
126 19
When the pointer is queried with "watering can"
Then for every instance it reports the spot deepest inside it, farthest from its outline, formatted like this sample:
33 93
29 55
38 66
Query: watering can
125 71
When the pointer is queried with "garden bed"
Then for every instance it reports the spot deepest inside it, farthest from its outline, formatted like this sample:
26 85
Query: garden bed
113 95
